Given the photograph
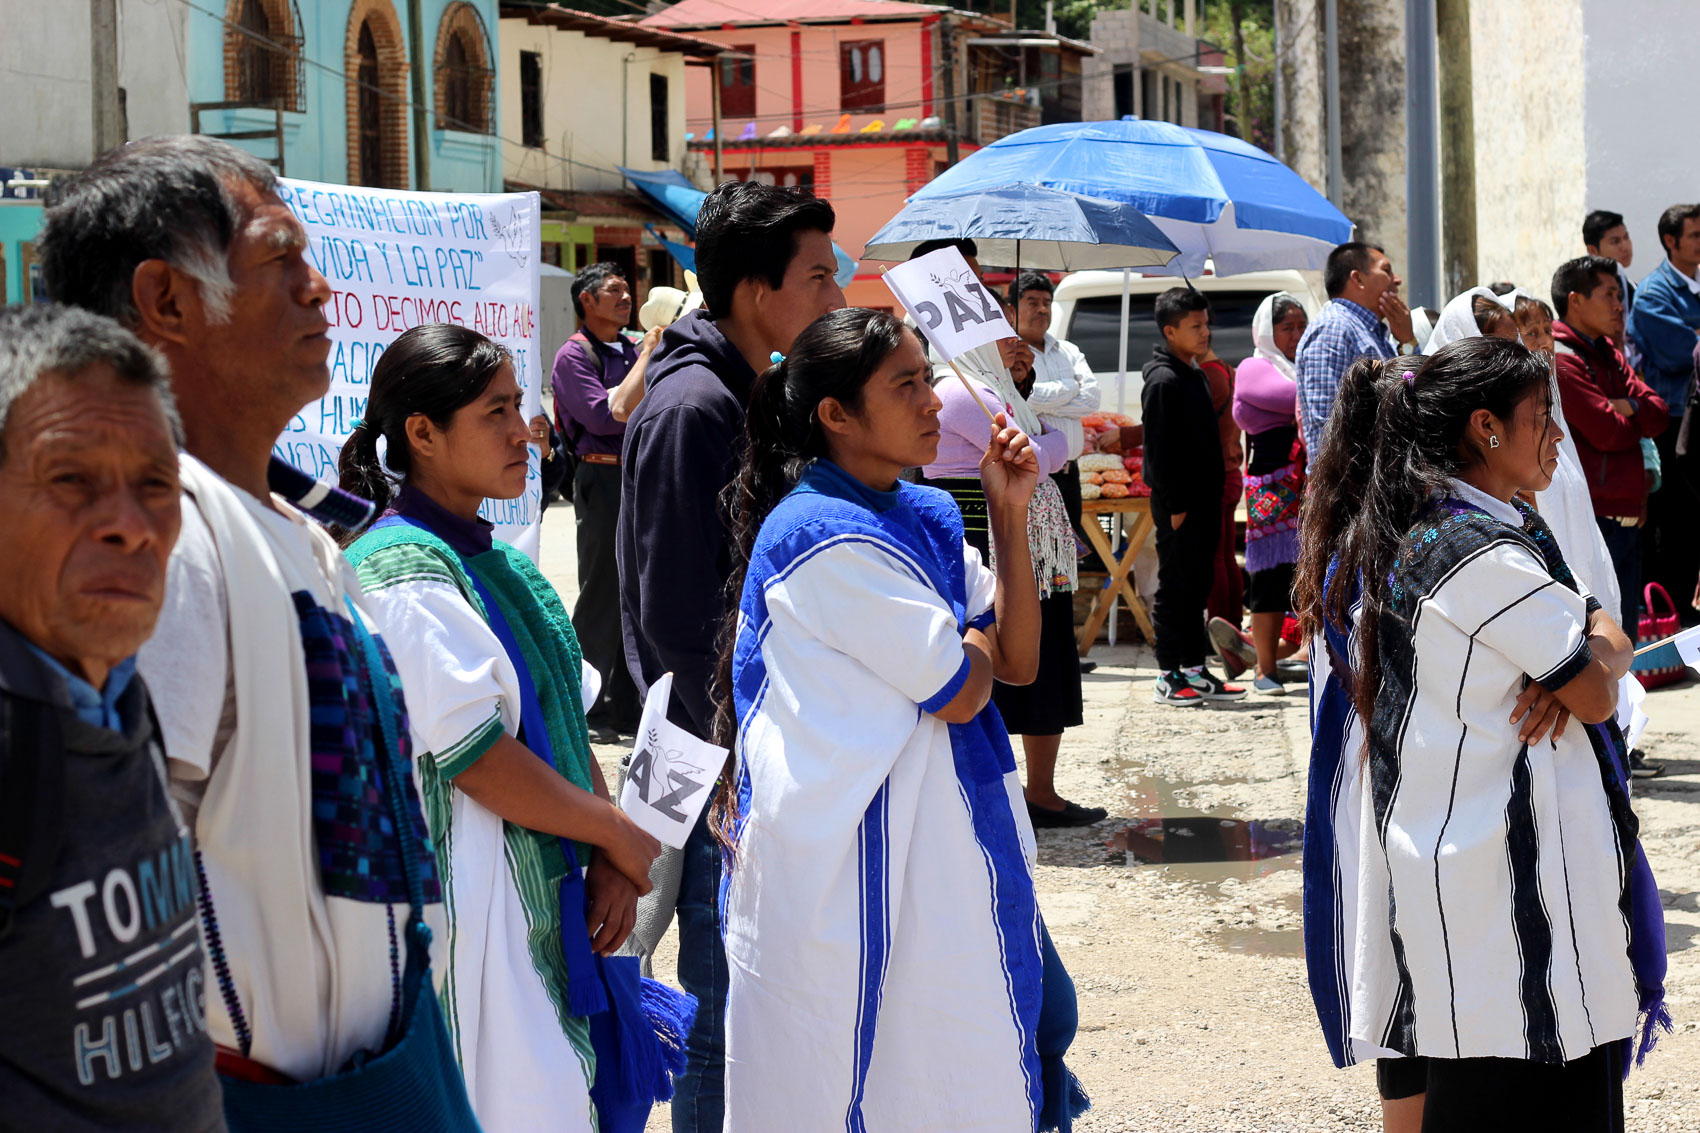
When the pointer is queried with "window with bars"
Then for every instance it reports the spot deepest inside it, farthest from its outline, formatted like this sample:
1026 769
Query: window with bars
786 177
659 147
531 99
263 57
861 75
738 82
369 111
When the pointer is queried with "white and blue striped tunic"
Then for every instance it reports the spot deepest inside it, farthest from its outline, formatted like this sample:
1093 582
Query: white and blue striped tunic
1468 895
880 920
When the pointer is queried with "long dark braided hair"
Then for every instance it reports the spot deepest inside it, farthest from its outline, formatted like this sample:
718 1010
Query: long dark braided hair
833 358
1396 436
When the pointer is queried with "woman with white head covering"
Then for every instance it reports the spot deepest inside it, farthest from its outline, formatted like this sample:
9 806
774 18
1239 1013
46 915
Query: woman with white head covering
1266 407
1476 311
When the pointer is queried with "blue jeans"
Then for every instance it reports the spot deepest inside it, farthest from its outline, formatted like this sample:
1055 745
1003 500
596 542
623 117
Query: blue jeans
699 1100
1624 543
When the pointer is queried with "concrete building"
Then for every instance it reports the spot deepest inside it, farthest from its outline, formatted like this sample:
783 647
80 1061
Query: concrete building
1150 66
323 89
327 89
583 96
863 101
1549 109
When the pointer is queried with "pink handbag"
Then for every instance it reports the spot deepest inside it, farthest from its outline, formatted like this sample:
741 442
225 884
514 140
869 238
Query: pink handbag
1655 626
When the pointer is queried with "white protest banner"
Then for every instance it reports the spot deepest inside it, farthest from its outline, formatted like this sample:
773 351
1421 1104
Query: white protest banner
398 260
948 302
672 773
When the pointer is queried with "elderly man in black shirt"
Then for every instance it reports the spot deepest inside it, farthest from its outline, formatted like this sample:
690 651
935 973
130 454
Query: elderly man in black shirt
101 971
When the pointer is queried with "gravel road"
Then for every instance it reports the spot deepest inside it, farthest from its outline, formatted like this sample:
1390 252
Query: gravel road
1194 1011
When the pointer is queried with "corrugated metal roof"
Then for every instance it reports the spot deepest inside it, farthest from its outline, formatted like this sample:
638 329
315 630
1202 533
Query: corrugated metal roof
715 13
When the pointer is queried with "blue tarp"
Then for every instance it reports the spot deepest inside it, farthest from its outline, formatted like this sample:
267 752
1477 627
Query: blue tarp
672 193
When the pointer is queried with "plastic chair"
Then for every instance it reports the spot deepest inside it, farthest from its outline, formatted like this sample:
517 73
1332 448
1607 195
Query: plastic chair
782 132
877 126
904 124
811 130
843 126
749 132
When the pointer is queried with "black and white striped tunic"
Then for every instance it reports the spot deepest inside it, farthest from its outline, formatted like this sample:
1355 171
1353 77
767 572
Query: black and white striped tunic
1491 882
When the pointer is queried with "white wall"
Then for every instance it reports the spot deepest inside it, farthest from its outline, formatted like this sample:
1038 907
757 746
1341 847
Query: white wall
1640 93
583 107
1532 183
45 87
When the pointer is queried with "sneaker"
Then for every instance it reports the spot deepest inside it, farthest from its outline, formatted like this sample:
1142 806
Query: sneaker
1233 647
1206 684
1173 688
1640 767
1268 686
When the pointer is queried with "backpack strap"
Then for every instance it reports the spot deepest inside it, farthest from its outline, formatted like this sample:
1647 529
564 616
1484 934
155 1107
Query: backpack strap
32 802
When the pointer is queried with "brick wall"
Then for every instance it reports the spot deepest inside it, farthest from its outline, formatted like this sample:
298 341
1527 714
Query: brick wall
462 19
392 81
280 19
823 174
917 168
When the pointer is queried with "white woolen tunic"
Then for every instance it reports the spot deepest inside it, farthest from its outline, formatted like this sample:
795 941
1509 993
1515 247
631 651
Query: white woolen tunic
1475 900
880 921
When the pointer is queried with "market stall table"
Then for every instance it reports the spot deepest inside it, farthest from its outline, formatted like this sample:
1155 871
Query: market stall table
1137 528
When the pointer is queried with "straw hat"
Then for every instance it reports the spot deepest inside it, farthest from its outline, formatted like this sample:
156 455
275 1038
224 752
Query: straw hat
665 305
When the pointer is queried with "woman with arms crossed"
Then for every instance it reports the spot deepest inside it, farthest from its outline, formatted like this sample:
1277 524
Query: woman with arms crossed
1503 922
887 965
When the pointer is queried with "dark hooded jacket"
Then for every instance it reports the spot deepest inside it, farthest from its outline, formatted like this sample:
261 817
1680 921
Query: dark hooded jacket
682 448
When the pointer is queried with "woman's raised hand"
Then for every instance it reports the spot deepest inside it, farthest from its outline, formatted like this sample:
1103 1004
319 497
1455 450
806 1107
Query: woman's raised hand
1009 470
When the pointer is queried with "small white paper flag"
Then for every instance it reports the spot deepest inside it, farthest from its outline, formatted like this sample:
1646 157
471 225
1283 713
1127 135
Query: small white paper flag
672 773
1631 713
948 302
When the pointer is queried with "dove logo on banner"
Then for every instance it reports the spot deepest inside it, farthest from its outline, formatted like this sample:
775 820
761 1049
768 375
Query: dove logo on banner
672 773
948 302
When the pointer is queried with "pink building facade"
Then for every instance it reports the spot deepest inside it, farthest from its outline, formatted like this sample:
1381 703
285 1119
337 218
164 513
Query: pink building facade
848 99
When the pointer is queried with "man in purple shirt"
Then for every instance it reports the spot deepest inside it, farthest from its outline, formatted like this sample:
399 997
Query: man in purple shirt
598 381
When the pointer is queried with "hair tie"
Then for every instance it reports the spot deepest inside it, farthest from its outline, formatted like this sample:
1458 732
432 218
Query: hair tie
775 358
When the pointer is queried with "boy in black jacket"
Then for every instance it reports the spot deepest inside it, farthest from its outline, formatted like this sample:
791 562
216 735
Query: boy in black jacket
1183 466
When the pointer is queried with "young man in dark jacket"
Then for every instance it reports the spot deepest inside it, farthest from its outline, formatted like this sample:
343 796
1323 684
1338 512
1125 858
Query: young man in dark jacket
1609 411
766 265
1183 466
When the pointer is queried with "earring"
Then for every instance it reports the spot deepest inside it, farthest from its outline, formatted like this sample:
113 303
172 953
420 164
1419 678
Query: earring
1493 441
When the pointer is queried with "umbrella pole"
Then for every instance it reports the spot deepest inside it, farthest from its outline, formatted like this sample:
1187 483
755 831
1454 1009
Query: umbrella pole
1121 402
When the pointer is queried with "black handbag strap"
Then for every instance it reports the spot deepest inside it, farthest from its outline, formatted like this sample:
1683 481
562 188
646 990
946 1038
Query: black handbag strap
32 802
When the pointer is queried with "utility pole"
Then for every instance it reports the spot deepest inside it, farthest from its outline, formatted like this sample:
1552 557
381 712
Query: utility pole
1422 153
947 57
421 122
108 116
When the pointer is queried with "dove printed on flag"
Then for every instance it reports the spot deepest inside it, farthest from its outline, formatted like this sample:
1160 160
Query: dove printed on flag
953 309
672 773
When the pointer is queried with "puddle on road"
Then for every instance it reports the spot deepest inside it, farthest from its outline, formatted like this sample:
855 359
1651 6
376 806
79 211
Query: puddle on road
1188 839
1220 853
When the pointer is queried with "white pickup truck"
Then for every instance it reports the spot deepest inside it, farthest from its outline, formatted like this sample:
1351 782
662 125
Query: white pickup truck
1088 306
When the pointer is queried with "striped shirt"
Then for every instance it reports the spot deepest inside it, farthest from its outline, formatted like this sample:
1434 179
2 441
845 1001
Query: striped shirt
1490 904
1342 333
